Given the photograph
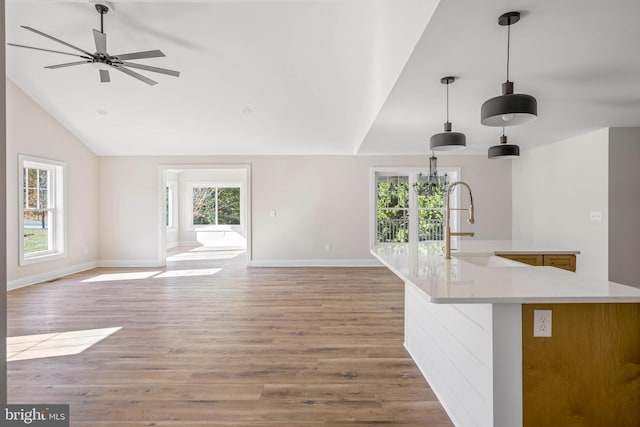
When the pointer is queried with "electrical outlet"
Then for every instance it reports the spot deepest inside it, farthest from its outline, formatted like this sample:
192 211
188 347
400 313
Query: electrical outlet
541 323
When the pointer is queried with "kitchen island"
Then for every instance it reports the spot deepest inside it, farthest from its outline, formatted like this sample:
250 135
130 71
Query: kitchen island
469 328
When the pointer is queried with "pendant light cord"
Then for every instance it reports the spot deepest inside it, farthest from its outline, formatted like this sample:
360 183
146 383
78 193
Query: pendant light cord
447 100
508 46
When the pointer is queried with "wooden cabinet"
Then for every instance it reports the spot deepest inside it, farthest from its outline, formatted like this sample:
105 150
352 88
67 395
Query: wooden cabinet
535 260
586 373
564 261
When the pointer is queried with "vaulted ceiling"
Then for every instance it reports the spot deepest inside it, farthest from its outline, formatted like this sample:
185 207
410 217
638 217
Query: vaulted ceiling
327 76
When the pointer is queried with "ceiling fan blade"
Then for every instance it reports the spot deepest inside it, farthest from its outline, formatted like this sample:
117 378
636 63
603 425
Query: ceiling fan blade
104 76
135 75
68 64
101 41
47 50
154 69
140 55
57 40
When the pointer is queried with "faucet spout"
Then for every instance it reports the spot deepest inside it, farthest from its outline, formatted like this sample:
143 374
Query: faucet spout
447 229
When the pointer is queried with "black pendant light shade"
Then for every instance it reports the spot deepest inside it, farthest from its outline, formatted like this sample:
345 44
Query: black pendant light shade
509 109
504 150
447 140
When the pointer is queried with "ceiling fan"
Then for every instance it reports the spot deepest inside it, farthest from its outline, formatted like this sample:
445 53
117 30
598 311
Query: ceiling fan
101 59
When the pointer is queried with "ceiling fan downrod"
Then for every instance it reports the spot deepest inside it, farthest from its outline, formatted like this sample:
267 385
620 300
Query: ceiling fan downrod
102 10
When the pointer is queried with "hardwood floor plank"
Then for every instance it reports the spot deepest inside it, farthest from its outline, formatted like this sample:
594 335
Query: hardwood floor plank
251 347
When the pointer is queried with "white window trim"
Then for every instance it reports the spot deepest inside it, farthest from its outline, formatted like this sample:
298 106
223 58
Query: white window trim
190 185
58 222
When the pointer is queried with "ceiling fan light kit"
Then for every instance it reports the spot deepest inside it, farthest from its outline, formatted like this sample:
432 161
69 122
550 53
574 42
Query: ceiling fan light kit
447 140
101 59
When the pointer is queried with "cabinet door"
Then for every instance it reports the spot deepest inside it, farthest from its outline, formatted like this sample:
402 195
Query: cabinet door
535 260
566 262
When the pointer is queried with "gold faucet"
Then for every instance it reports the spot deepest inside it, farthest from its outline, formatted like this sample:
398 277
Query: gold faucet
447 228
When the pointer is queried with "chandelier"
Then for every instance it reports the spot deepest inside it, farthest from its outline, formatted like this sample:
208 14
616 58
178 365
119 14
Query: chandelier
433 183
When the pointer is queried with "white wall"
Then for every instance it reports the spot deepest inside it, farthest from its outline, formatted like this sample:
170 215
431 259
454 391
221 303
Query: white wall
555 188
32 131
318 200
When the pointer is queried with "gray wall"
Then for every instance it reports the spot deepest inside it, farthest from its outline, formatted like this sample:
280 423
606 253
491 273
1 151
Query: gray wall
3 222
624 205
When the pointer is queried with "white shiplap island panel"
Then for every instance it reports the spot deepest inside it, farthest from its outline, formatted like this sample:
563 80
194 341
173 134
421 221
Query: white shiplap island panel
463 322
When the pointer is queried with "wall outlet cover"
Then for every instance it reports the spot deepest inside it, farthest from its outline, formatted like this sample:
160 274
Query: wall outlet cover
542 323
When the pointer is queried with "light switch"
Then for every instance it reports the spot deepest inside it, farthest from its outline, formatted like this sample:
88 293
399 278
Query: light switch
274 213
595 216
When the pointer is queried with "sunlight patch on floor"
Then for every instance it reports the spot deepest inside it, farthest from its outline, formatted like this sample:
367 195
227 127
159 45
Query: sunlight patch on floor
205 253
189 273
110 277
55 344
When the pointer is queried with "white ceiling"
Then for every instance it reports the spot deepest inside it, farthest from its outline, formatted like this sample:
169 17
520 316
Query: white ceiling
328 76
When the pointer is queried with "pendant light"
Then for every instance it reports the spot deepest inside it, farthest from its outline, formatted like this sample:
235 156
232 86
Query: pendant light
509 109
447 140
504 150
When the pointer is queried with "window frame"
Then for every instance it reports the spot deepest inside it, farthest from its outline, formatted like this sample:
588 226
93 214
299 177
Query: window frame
454 173
56 209
172 197
191 185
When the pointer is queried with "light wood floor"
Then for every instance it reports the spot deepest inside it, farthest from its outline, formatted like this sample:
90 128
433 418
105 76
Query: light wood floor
255 347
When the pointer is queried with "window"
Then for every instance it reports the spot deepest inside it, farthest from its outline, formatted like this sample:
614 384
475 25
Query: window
171 207
216 205
401 212
41 213
430 214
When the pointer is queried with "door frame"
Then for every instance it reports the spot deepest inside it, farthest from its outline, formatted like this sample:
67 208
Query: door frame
162 182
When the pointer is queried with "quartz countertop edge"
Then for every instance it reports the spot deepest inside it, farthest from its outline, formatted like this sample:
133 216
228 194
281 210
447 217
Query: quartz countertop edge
458 281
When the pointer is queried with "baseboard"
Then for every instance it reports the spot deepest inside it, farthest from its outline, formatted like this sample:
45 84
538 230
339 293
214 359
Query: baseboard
315 263
49 275
144 263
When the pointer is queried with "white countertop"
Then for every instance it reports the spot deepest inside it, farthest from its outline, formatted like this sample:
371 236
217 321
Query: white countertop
458 281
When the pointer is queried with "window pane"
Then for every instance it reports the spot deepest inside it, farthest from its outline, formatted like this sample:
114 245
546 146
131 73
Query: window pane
167 204
393 212
430 214
43 199
32 177
32 198
204 206
36 232
43 178
229 206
